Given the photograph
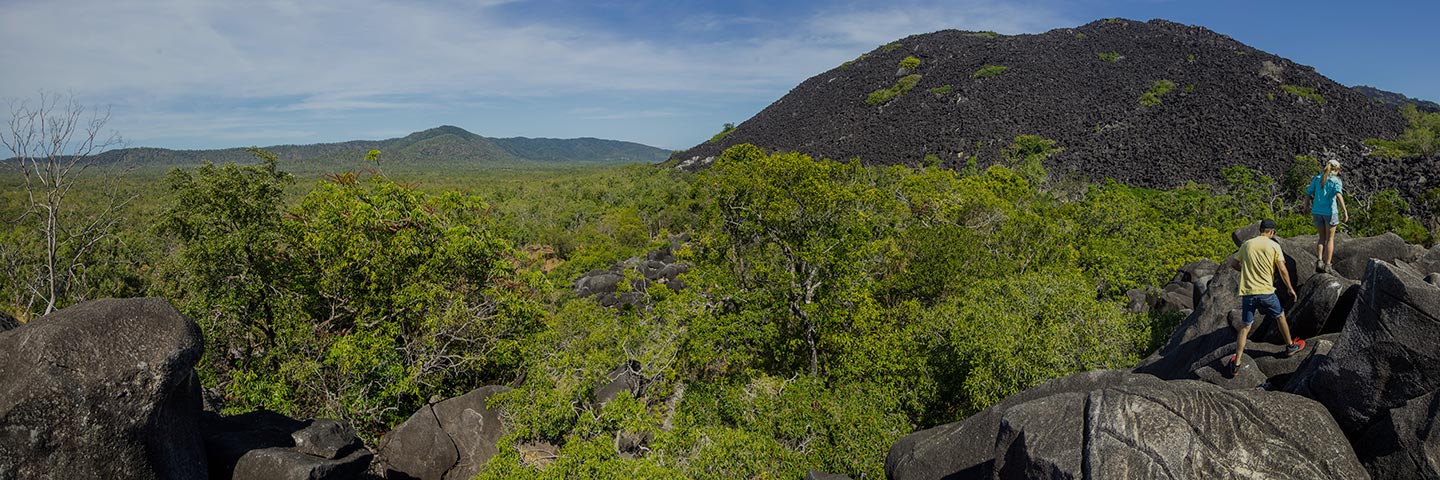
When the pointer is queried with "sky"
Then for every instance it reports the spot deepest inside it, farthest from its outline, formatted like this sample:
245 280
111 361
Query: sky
667 73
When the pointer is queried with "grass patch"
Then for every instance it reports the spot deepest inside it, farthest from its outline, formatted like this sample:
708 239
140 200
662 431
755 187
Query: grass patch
989 71
859 58
1111 57
910 63
941 90
1080 36
1152 97
890 47
729 127
1190 58
904 84
1304 92
984 34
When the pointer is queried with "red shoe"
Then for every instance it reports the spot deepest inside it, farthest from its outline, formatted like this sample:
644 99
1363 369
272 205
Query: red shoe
1295 346
1234 368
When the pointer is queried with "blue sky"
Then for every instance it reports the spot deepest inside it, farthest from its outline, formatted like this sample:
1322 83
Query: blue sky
210 74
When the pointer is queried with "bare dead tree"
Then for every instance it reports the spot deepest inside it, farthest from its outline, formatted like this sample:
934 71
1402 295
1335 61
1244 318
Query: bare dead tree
54 141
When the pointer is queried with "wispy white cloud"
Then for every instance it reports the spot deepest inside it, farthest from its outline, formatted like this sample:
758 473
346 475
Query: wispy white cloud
188 67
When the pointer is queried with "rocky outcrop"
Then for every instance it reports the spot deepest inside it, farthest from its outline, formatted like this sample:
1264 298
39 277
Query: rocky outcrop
103 389
445 441
1353 256
1120 425
657 267
1385 356
966 448
267 445
1359 401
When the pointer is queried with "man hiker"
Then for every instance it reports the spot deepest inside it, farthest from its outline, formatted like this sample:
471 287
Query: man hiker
1260 261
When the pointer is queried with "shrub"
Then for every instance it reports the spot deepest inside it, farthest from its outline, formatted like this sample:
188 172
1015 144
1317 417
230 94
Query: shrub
1298 176
890 46
989 71
1152 97
910 63
1027 154
984 34
1111 57
941 90
1304 92
904 84
1421 137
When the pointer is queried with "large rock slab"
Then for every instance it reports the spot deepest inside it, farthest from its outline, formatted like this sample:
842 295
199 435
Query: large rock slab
1405 442
227 439
1214 324
445 441
1353 255
288 464
1186 429
1430 261
966 449
1325 302
103 389
1385 356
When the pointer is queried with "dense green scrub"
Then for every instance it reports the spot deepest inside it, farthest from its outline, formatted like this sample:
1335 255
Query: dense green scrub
831 307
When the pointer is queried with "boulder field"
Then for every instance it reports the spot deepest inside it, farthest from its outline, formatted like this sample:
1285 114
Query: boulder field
1359 402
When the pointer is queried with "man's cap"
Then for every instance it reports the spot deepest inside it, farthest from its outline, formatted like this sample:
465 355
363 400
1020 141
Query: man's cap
1267 224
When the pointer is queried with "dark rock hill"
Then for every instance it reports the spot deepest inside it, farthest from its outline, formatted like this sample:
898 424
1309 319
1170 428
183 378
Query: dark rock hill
1395 100
445 145
1230 104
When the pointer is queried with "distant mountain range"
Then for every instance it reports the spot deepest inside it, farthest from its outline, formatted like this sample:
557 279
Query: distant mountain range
1153 104
440 146
1395 99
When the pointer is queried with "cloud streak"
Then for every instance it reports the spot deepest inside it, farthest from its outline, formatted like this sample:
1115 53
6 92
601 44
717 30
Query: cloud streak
304 60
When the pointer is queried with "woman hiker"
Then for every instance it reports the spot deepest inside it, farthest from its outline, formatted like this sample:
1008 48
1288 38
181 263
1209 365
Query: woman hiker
1325 191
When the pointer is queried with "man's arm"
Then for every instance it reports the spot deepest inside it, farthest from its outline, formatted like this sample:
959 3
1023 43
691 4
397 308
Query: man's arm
1284 275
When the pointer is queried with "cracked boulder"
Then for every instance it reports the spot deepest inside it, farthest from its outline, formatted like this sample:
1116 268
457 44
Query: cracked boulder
1386 355
966 449
102 389
444 441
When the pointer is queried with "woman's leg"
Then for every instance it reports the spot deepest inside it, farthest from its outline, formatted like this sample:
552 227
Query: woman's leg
1329 243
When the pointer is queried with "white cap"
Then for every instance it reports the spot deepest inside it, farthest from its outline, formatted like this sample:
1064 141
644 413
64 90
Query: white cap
1333 163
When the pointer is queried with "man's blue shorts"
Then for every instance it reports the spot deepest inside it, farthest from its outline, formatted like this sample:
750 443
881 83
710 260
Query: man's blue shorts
1268 304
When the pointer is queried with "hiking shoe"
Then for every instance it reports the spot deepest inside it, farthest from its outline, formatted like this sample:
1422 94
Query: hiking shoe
1319 266
1233 367
1295 346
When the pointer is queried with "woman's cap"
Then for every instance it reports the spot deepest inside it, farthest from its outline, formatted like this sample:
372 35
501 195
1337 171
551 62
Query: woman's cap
1333 163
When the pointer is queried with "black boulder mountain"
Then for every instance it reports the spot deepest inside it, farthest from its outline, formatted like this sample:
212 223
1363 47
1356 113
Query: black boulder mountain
1228 104
444 145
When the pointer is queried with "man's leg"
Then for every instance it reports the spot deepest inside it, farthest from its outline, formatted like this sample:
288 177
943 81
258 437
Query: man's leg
1240 346
1284 328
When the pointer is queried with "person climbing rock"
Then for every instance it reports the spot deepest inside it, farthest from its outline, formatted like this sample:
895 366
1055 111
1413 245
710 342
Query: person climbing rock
1325 193
1260 261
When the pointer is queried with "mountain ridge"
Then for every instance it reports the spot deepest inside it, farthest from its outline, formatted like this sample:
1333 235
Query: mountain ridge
442 145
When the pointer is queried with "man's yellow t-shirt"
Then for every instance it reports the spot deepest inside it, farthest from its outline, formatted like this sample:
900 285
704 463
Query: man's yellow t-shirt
1257 265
